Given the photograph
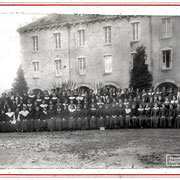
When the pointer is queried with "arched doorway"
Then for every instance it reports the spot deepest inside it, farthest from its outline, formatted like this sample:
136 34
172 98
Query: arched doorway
38 91
167 85
83 89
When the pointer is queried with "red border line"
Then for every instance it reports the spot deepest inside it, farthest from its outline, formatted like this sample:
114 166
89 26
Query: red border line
87 4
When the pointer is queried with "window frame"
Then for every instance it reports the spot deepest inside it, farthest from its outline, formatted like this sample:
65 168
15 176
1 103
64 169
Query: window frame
109 72
79 36
58 73
109 40
170 26
82 71
36 74
161 58
138 30
35 43
60 39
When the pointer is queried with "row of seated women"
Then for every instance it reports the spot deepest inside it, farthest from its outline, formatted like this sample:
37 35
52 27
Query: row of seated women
73 117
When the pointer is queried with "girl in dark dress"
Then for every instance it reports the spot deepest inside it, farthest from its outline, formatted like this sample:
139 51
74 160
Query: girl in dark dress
93 115
155 116
37 119
65 118
85 118
141 116
3 125
170 117
177 115
128 114
10 120
134 119
72 120
78 117
147 112
163 116
23 116
120 115
58 118
100 116
30 119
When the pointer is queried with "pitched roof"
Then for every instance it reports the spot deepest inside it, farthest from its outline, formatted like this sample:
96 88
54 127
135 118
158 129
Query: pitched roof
62 19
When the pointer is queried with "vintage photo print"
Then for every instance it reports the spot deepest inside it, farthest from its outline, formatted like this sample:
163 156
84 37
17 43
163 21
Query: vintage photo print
89 87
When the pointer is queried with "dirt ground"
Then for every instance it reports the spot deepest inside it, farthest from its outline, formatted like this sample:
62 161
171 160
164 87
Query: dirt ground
123 148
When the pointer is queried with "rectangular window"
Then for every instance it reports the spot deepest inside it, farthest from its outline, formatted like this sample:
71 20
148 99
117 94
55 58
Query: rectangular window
81 38
58 67
166 27
135 31
107 35
82 66
57 40
108 61
35 69
35 43
166 59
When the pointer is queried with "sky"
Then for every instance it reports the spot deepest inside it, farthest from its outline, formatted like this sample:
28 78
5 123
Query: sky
11 18
10 56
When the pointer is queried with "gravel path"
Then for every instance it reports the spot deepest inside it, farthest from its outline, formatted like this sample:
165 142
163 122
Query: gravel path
124 148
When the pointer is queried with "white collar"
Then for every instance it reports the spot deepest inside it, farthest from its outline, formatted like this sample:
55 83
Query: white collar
10 114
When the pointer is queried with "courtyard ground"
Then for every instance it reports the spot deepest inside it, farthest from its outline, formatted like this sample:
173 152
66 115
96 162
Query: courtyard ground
123 148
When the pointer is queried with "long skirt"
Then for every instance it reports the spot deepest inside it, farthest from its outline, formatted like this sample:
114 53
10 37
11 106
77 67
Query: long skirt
155 120
121 121
93 123
84 123
51 123
107 122
162 122
3 127
24 125
147 121
134 122
128 121
30 125
169 122
38 124
71 123
78 123
177 122
64 124
101 122
141 120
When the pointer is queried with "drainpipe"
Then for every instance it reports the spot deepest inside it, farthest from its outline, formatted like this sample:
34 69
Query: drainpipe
69 53
151 44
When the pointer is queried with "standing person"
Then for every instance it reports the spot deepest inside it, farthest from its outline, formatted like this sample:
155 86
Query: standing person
120 115
113 120
23 116
10 120
85 118
30 119
170 117
177 117
163 116
155 116
44 117
56 122
134 113
100 117
78 117
93 115
65 118
147 112
72 120
18 123
128 113
37 119
3 124
107 115
141 116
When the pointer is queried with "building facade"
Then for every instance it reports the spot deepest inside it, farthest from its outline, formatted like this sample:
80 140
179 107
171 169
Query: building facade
97 49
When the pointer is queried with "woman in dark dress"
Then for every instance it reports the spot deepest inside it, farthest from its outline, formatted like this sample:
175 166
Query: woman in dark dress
163 116
155 116
37 119
72 120
141 116
85 118
10 120
3 125
23 116
177 117
93 115
147 112
120 115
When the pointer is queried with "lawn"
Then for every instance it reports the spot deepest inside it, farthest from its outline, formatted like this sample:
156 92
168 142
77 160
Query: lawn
123 148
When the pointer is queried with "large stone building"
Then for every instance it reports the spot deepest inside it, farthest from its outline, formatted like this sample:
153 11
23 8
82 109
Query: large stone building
98 49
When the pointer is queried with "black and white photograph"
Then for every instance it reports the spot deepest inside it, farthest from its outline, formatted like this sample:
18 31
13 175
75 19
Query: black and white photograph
89 90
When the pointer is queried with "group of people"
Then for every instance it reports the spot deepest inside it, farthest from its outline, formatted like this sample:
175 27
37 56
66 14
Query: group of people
109 108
